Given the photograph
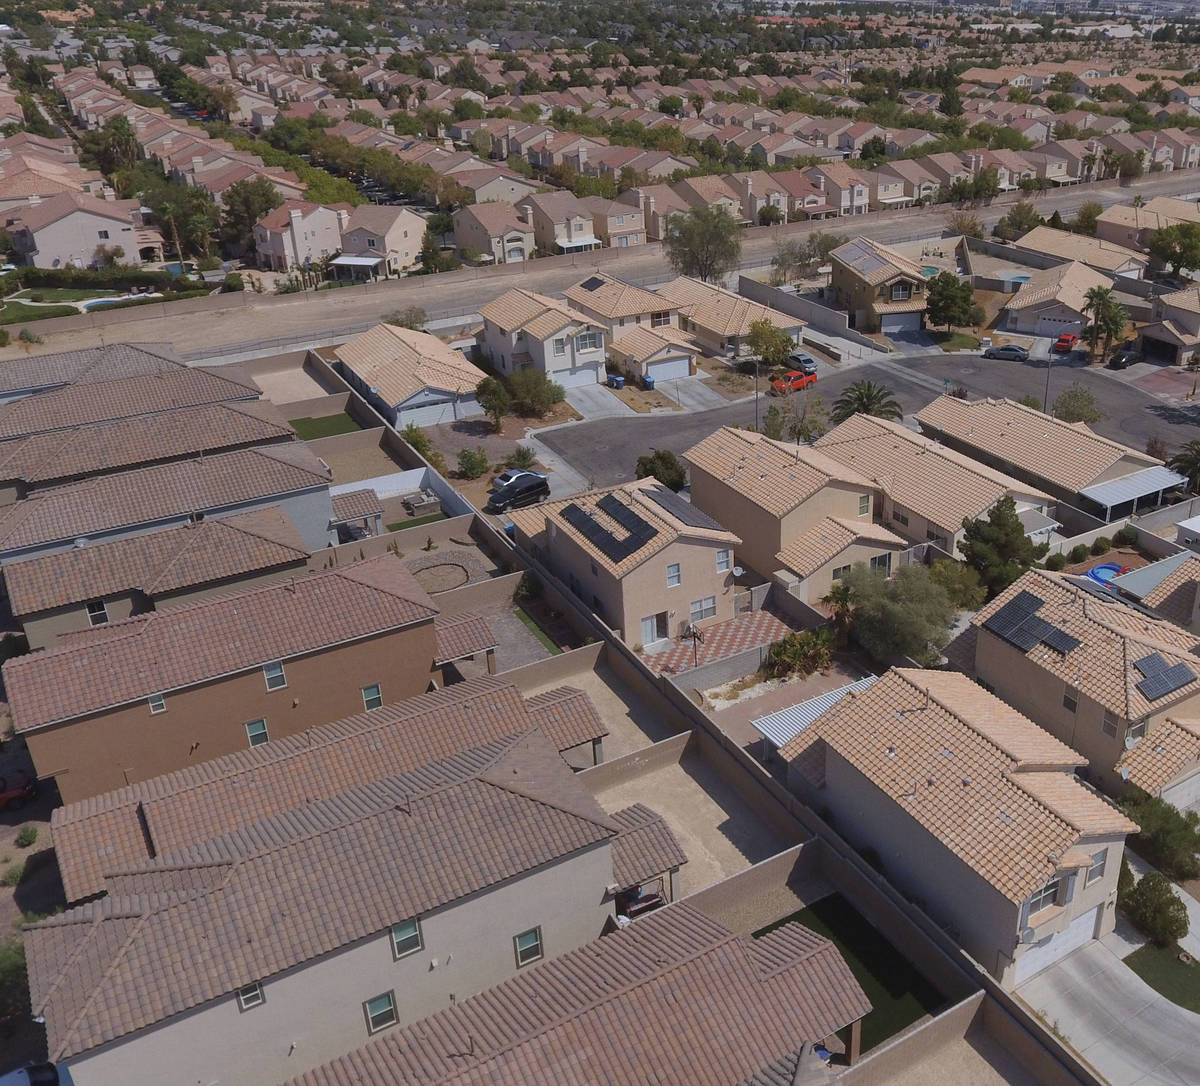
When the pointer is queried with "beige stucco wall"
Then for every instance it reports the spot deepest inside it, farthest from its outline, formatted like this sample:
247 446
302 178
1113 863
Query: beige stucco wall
74 239
818 584
44 628
314 1013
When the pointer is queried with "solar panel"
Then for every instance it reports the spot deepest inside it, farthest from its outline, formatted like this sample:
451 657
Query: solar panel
1005 621
1166 682
681 509
626 517
1150 665
592 283
1029 632
616 550
1060 640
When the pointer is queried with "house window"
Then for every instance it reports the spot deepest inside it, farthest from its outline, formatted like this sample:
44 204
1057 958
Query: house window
1110 723
1045 897
882 561
864 505
1070 699
1096 871
528 946
723 561
560 347
97 613
1136 731
674 577
380 1012
256 732
250 996
704 608
157 703
406 938
372 696
840 572
620 220
103 234
899 517
587 341
901 292
276 679
660 320
370 243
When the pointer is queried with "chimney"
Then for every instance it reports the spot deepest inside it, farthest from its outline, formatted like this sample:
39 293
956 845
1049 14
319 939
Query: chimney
582 156
819 180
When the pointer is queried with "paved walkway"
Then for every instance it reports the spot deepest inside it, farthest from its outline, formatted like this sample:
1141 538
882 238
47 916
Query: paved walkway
746 631
597 402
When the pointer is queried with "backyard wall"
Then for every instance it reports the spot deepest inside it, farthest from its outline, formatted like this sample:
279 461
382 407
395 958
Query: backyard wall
833 322
766 892
481 596
637 764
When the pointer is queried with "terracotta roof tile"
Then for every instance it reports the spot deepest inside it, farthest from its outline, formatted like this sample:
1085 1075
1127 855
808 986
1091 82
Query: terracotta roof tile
1067 284
93 364
1158 758
874 262
644 847
1095 252
538 315
355 504
612 298
400 363
1174 597
826 539
719 310
462 635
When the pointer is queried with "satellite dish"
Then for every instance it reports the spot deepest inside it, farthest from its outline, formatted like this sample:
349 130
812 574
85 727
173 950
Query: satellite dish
1130 742
1124 772
738 571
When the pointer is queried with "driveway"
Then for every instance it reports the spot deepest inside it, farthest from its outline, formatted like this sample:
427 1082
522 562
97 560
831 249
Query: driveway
693 394
1122 1027
596 402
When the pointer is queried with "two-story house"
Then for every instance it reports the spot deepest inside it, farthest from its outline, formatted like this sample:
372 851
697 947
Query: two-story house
299 233
380 240
493 231
616 223
919 184
758 190
522 328
78 230
885 191
720 320
562 223
881 289
1174 337
845 187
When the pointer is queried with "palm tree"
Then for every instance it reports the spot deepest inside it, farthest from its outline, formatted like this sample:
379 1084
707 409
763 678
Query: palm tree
1114 320
1139 200
1187 462
1096 304
1089 164
840 602
867 398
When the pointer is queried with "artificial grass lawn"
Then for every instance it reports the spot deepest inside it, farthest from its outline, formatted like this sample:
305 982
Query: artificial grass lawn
18 313
1161 968
416 522
899 994
537 631
63 294
955 341
309 429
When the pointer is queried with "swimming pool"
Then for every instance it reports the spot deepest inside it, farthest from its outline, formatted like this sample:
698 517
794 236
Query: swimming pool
929 270
176 268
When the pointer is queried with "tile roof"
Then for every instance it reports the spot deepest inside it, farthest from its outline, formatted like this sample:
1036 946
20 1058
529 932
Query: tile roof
92 364
1065 454
190 555
644 847
874 262
400 363
1095 252
773 474
673 992
612 299
462 635
163 651
1066 284
501 810
1174 597
1187 299
940 484
536 314
355 504
719 310
641 344
1112 636
35 217
1159 757
131 825
995 788
107 503
826 539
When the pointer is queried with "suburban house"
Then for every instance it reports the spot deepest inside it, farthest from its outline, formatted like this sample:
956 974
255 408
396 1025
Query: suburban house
1103 675
657 203
774 491
711 191
494 231
758 190
885 192
379 240
1174 337
562 223
21 377
647 562
522 328
972 809
1053 300
718 319
397 935
925 490
843 186
138 698
298 233
1065 459
410 376
812 563
94 585
881 290
1168 587
1100 255
77 230
919 183
615 223
1132 227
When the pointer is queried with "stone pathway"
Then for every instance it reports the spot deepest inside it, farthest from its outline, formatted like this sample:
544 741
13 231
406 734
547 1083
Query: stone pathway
747 631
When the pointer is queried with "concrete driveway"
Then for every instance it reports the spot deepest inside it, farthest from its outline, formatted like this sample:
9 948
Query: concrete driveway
1122 1027
596 402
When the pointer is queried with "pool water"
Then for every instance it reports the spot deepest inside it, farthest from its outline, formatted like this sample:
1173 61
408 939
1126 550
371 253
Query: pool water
176 268
929 270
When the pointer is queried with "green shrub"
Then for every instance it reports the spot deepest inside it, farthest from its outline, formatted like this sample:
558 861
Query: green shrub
1079 552
13 875
233 282
960 582
5 338
26 836
1125 880
423 447
1156 910
800 653
115 278
1169 838
1056 561
521 457
1102 545
208 263
664 466
472 463
26 336
37 297
529 587
14 983
533 393
1126 537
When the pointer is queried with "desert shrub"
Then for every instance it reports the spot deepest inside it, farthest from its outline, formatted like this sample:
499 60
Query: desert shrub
1125 880
234 282
37 296
26 336
1056 561
960 582
1156 910
664 466
800 653
1101 545
533 393
423 447
1169 838
5 338
13 875
1079 552
26 836
521 457
472 463
1126 536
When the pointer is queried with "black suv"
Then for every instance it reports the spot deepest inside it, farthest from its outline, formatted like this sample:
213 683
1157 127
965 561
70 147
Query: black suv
523 490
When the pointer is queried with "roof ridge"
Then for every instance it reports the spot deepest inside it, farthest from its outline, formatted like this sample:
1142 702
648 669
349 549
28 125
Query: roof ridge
228 522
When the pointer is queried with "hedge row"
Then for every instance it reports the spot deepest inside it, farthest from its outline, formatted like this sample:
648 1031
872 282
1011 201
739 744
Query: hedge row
103 279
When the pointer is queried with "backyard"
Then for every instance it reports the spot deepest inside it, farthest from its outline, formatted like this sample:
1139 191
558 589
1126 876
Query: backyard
310 429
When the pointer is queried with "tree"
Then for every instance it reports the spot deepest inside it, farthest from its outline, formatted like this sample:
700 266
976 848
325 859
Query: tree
1077 404
118 147
533 393
493 397
412 316
1096 302
1177 246
840 602
1113 323
1187 463
770 215
866 398
704 243
951 105
800 654
905 616
663 465
997 548
1030 400
809 421
1156 910
1020 219
244 203
472 463
965 224
949 300
960 583
1168 837
1085 218
770 343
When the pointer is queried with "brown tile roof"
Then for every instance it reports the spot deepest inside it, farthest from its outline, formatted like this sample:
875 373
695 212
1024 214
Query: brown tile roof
462 635
131 825
34 217
826 539
92 364
501 810
1174 597
101 447
400 363
873 262
538 315
644 847
1066 284
1065 454
992 786
772 474
938 483
674 992
719 310
355 504
1095 252
1159 757
107 503
1112 637
164 651
612 299
190 555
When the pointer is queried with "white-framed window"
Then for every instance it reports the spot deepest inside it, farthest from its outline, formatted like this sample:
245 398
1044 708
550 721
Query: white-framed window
1045 897
406 938
839 572
157 703
560 347
674 576
97 613
528 946
380 1012
251 996
882 561
256 732
1070 699
1096 871
901 292
273 673
620 220
1136 731
103 235
864 505
660 320
899 517
1110 723
704 608
372 696
723 559
587 341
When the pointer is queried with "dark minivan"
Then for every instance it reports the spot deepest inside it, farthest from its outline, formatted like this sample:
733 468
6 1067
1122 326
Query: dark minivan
523 490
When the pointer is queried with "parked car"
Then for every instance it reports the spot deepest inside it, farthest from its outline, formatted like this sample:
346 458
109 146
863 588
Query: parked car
1127 356
791 381
37 1074
804 362
17 789
1066 342
1014 352
506 477
524 490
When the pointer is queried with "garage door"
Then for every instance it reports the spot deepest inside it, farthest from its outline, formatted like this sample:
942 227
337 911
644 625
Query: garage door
1055 326
434 413
900 322
669 369
1185 793
582 375
1054 948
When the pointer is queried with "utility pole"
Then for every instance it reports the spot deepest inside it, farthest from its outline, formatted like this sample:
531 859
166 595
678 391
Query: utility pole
1046 394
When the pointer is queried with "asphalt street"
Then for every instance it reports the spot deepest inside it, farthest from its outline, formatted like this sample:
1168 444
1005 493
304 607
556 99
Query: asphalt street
604 451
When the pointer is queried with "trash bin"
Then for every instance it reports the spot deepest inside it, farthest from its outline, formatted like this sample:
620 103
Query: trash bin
612 380
510 530
648 382
618 382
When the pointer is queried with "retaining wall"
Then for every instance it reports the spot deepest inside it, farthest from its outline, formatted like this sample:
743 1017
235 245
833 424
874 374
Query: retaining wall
832 322
765 892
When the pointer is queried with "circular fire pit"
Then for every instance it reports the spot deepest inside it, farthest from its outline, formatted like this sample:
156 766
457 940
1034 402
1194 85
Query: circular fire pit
442 577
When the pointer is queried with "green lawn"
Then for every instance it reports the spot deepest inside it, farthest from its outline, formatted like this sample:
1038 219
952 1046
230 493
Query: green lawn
64 294
309 429
1161 968
899 995
18 313
537 631
416 522
955 341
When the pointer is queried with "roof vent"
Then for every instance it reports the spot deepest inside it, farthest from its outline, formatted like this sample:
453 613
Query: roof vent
1004 817
947 752
81 541
967 782
891 752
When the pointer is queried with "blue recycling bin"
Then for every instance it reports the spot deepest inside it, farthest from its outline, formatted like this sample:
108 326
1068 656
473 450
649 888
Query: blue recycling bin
648 382
612 380
618 382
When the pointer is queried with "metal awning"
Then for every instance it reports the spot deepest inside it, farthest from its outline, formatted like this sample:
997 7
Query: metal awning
1034 521
1129 488
783 726
578 243
356 261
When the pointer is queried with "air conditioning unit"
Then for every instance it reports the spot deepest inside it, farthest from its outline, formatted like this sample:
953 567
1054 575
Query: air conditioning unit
1028 935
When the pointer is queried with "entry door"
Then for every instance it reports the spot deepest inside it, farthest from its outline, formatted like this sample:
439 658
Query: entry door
654 628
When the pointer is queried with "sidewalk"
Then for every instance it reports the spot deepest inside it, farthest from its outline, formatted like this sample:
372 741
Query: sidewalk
1191 941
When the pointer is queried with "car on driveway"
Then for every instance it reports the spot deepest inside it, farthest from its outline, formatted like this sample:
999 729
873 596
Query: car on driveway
16 789
527 489
1014 352
804 362
506 477
791 381
1127 356
1066 342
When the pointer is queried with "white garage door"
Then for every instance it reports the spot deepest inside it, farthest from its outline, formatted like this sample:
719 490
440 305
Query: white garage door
900 322
1185 793
434 413
581 375
1055 326
669 369
1039 956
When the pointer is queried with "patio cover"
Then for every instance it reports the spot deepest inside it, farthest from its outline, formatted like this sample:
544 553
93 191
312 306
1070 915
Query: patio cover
784 725
1128 488
356 261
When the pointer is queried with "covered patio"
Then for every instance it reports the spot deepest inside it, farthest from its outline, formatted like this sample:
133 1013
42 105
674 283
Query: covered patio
1117 498
357 268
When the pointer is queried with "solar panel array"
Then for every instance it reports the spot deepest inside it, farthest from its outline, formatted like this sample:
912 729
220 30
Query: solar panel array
1151 665
681 509
601 537
592 283
1166 681
1017 622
